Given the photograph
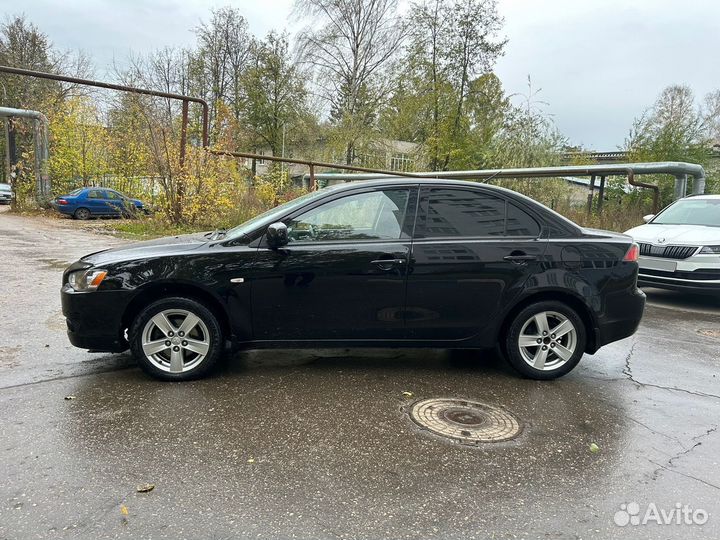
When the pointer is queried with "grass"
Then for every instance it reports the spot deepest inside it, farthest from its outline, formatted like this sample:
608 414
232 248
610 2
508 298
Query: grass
147 228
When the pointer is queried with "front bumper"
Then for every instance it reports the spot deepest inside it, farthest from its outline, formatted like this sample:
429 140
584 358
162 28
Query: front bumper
94 319
698 273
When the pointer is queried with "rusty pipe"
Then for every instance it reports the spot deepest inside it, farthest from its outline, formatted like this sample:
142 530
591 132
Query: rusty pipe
655 189
113 86
314 164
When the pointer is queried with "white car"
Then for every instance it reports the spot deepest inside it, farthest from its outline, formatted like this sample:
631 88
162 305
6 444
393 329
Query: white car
680 246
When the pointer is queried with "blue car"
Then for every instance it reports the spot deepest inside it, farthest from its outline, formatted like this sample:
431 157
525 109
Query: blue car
85 203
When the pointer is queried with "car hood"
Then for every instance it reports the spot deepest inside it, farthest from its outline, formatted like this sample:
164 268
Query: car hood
694 235
169 245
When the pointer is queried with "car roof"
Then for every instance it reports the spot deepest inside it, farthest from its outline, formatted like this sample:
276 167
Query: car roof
703 196
406 180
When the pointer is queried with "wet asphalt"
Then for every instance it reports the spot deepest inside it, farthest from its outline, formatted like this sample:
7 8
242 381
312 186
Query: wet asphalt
318 444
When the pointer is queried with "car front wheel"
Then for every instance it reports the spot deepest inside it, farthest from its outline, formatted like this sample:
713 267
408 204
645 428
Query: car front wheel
176 339
545 340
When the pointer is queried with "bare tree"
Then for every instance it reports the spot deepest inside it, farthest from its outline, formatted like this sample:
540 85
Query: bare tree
350 52
218 64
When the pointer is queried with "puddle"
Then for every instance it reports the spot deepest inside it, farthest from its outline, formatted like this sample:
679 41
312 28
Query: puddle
58 264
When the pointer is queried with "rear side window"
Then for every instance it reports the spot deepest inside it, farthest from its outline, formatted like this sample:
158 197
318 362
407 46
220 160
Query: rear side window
94 194
520 223
462 213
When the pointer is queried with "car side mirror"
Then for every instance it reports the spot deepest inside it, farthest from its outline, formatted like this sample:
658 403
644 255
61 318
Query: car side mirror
277 235
647 218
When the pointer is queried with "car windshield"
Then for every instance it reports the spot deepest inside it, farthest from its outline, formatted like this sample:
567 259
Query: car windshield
704 212
5 187
274 213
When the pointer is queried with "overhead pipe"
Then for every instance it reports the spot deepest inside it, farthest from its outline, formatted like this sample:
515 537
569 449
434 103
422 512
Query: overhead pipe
631 170
134 90
40 140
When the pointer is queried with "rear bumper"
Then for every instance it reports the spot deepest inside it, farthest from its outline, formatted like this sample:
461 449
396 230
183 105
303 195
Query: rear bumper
63 208
621 318
94 319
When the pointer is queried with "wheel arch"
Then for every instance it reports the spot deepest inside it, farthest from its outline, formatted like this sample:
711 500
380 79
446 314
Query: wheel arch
158 290
571 300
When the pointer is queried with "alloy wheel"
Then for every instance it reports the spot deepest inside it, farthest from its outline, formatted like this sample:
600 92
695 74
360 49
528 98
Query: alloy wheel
175 340
547 341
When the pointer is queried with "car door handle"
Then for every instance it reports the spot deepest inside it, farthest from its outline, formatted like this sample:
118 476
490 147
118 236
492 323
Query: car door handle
387 264
520 258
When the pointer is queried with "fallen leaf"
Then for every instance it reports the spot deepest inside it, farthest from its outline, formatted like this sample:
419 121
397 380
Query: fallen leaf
407 394
123 510
251 460
594 448
144 488
68 398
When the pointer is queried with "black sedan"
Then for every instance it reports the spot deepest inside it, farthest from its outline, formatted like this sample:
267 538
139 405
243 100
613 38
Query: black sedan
391 263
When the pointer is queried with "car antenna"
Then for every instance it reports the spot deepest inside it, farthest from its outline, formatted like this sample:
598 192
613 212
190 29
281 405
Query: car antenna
491 177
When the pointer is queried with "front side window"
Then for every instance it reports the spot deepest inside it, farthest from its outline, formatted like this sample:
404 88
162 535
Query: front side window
376 215
465 213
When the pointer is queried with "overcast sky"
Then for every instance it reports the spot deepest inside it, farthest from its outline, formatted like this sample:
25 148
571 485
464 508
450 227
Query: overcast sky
599 63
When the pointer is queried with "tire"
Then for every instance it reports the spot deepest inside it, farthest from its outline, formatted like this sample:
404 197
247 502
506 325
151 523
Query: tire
82 214
562 352
184 359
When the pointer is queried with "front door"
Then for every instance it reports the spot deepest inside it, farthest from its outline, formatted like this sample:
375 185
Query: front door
342 275
114 202
472 253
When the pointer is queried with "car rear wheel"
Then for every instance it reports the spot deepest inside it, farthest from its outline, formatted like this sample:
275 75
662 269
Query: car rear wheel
176 339
82 213
545 340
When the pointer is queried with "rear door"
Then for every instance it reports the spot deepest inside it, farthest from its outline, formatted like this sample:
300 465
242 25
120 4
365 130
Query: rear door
342 275
473 251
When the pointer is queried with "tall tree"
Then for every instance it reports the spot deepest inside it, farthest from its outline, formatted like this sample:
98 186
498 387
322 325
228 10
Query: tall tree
675 128
351 49
451 45
275 104
217 66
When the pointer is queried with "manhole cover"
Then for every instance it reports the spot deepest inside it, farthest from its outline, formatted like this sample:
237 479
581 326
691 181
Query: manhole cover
709 332
465 421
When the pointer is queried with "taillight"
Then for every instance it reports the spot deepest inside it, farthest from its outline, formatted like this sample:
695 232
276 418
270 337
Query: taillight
632 254
62 201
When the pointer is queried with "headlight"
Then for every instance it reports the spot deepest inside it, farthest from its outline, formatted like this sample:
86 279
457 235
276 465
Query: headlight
710 250
87 280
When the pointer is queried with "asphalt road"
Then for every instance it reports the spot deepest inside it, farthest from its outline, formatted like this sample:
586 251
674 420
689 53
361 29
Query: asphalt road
318 445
